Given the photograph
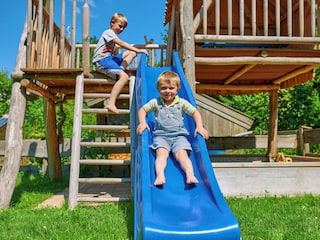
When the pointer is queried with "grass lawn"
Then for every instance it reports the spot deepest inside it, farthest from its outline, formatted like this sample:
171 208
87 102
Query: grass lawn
270 218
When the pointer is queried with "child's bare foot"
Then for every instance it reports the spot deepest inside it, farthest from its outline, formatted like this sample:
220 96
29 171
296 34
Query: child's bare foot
160 180
112 108
192 179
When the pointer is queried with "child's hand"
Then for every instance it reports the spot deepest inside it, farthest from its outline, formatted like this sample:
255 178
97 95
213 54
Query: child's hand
141 127
143 51
202 131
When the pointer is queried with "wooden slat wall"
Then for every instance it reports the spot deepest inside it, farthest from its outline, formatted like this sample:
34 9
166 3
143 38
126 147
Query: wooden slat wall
47 47
221 120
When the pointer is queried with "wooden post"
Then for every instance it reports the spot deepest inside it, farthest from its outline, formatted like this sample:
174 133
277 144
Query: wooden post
304 148
76 138
13 147
73 44
273 125
86 38
186 24
54 161
51 33
39 34
170 37
62 38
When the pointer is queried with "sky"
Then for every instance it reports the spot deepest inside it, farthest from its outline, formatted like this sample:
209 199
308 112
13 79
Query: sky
145 17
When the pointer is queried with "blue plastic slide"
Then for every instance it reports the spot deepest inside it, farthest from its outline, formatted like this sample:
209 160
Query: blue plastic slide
176 210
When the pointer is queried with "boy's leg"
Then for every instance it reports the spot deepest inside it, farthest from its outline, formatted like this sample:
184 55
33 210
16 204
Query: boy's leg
160 165
127 58
186 165
123 79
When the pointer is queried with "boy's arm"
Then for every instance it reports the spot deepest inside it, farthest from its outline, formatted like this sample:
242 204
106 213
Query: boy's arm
142 121
199 125
126 45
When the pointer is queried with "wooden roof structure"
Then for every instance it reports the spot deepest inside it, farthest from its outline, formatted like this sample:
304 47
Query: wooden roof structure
245 47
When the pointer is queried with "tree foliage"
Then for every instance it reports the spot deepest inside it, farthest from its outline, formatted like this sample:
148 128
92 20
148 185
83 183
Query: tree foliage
5 92
299 105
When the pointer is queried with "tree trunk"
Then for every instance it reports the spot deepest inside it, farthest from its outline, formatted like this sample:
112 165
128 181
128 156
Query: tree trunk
13 148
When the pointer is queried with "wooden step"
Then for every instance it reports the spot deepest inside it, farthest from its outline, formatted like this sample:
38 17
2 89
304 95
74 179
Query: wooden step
95 199
104 111
105 127
100 81
105 144
104 162
104 95
100 180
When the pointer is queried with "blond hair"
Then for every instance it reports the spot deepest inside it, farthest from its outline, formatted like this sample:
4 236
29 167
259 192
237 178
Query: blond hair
168 76
119 17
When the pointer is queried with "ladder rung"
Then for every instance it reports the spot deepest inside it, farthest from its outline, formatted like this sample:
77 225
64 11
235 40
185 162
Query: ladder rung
104 95
105 144
104 111
104 180
99 81
104 162
105 127
102 200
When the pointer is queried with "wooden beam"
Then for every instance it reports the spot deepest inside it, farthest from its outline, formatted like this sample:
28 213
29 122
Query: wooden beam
249 142
257 60
239 73
293 74
39 90
256 39
261 88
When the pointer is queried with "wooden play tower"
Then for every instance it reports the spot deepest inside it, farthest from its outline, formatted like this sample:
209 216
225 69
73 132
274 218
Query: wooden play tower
235 47
226 47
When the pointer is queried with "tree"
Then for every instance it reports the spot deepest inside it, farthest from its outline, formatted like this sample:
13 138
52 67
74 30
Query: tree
5 92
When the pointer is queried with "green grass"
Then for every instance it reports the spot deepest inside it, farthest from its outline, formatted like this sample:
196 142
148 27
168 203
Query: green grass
274 218
278 218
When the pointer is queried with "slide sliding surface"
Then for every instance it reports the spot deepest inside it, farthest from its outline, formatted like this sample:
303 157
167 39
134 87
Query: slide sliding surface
176 210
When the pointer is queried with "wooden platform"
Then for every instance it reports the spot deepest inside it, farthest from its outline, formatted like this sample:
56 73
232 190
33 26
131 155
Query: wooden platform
99 191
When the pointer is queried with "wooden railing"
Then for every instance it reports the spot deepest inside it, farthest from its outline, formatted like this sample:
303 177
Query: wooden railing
300 139
258 21
157 55
46 45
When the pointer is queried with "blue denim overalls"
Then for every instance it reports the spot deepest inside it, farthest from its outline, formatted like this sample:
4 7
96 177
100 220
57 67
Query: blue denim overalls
169 121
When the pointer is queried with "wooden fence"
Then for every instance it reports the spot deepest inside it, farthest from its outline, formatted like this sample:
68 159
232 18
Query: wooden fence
296 139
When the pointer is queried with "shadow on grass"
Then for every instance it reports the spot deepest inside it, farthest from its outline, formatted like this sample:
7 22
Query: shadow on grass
127 208
37 185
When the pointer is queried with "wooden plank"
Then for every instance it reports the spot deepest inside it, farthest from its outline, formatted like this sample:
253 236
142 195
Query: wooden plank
249 142
312 136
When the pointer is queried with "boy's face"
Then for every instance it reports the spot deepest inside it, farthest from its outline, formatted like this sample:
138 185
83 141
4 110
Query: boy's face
168 90
118 27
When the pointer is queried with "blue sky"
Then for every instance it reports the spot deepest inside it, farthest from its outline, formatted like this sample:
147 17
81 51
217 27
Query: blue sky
145 17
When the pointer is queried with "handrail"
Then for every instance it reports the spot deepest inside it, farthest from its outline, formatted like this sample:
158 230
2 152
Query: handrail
290 22
157 55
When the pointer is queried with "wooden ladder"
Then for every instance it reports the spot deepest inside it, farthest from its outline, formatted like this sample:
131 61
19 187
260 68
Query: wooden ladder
98 189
